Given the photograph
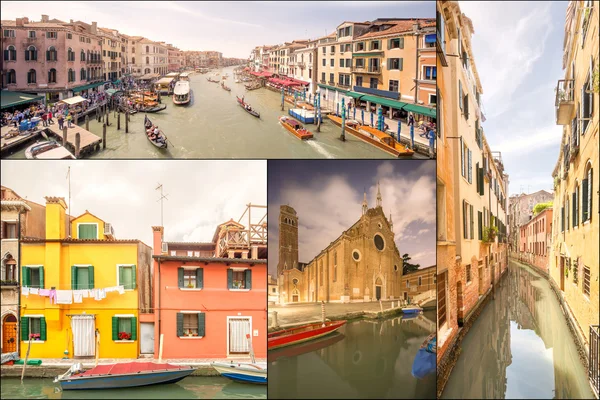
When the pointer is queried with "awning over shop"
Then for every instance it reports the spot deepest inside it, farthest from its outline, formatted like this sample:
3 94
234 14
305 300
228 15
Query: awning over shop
85 87
73 100
147 77
398 105
172 74
321 85
354 94
372 54
12 99
417 109
112 92
165 81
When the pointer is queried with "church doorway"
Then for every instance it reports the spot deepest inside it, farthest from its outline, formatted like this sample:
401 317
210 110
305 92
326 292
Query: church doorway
378 289
295 296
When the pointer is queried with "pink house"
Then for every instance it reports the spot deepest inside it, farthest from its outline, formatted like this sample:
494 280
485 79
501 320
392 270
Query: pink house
535 240
51 57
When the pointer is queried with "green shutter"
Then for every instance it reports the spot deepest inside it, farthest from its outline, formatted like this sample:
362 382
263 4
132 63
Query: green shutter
24 328
480 224
229 279
401 64
91 277
121 277
471 222
115 328
460 95
26 55
201 324
47 55
73 277
179 324
401 42
133 328
200 278
41 277
43 328
25 276
389 44
574 197
248 276
133 277
584 200
180 277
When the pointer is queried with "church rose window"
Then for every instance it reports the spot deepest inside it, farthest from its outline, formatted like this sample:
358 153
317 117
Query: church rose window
356 255
295 281
379 243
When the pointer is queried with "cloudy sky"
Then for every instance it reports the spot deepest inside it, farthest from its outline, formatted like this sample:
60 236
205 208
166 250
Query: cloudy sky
518 52
201 194
327 195
233 28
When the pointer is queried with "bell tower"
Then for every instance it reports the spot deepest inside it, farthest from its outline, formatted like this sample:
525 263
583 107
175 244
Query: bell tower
288 239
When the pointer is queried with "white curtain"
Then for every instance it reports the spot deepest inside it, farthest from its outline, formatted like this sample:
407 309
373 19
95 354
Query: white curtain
84 338
238 328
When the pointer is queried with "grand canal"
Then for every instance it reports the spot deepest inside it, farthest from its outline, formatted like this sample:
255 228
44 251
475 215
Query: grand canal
214 126
519 347
366 359
189 388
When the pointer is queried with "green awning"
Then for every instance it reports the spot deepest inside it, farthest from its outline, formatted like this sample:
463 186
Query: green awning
111 92
373 54
12 99
355 95
399 105
417 109
85 87
332 88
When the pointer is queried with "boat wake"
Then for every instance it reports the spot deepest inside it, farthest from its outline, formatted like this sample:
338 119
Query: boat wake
320 149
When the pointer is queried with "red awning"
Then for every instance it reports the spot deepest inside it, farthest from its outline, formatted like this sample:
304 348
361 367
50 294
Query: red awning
247 69
299 81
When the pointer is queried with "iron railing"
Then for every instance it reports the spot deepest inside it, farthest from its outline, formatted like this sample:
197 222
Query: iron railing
594 360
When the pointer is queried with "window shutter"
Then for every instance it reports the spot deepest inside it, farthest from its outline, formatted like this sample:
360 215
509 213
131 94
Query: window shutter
389 44
590 191
472 223
74 278
180 277
464 220
133 277
562 219
115 328
460 95
26 55
6 55
179 324
133 328
24 328
480 224
462 157
201 324
470 175
121 276
229 279
2 229
389 63
584 200
49 80
41 277
26 277
35 55
200 278
575 209
401 42
43 329
248 276
91 277
47 55
400 63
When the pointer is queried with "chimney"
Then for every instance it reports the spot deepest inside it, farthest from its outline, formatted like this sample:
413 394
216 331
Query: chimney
71 21
94 28
45 18
157 239
416 26
56 218
19 21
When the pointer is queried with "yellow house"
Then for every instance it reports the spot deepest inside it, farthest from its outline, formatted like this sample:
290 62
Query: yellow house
85 265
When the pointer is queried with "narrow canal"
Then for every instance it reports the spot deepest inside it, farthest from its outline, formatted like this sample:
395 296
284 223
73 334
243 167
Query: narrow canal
214 126
366 359
519 347
189 388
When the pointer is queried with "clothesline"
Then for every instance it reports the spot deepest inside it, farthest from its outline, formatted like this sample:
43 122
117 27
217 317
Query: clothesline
71 296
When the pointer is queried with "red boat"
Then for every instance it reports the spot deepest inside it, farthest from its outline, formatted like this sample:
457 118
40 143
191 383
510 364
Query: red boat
304 348
300 334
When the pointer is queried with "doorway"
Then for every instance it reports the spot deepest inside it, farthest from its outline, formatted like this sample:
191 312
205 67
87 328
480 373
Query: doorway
147 337
295 296
84 335
237 341
378 289
9 334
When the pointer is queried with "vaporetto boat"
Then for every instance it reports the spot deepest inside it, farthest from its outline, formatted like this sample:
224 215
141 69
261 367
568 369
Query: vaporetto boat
181 93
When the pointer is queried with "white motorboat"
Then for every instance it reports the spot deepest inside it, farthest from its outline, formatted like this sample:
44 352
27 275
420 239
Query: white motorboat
48 150
181 93
242 372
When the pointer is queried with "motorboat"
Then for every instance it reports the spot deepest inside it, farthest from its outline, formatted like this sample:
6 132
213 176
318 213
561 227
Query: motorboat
181 93
48 150
121 375
300 334
295 128
425 360
242 372
303 348
412 310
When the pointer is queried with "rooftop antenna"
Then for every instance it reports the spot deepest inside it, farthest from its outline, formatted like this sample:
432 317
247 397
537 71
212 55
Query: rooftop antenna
162 197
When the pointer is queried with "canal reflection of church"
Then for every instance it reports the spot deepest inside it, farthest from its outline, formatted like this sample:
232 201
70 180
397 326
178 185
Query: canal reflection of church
362 264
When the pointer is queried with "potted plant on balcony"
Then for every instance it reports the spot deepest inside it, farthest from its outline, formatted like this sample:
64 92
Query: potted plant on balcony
596 79
34 336
124 336
490 233
8 282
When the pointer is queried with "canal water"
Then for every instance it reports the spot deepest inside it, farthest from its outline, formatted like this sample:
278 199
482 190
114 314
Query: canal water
366 359
519 347
214 126
188 388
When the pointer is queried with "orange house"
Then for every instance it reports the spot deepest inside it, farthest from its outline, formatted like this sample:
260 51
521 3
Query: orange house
209 296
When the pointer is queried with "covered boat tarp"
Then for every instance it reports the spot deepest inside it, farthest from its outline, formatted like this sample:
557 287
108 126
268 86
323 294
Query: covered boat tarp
165 81
112 92
12 99
148 77
6 357
172 74
74 100
129 368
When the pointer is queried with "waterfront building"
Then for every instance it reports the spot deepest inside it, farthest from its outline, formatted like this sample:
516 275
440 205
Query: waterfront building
574 256
362 264
472 185
287 52
82 264
210 295
111 53
176 59
535 240
302 66
521 211
418 282
20 218
154 56
328 65
273 292
50 57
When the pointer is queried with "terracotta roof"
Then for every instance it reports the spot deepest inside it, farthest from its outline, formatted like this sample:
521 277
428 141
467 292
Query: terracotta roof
89 213
183 244
211 259
55 200
71 240
33 24
398 27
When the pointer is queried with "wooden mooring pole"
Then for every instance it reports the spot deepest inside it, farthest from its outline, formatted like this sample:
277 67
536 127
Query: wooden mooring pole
26 359
118 120
87 123
77 144
127 121
104 136
65 136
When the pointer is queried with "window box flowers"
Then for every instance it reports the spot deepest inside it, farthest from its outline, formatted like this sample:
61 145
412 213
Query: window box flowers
124 336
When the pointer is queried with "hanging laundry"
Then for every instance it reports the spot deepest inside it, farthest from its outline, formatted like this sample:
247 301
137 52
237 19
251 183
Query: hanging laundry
44 292
111 289
25 290
85 293
121 289
78 296
52 296
64 297
34 290
94 293
100 294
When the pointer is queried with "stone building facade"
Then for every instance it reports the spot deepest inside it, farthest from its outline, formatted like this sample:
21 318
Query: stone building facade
521 211
363 264
535 240
417 282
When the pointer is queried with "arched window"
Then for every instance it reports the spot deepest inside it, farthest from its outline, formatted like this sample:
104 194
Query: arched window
575 204
11 77
587 197
51 54
310 57
31 54
10 54
82 55
70 55
71 75
82 75
52 76
133 60
147 49
31 76
147 71
133 50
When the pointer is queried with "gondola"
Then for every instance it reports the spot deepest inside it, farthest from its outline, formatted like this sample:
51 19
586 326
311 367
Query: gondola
162 144
247 107
153 109
225 87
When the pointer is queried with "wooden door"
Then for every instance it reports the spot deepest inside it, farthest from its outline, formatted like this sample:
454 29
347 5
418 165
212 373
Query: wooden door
9 334
378 292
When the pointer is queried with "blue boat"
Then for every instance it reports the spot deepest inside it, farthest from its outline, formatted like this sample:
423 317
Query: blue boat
411 309
425 360
242 372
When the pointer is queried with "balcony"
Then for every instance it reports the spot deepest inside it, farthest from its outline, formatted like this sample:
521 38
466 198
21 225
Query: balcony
564 101
332 83
343 85
301 64
366 70
9 284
